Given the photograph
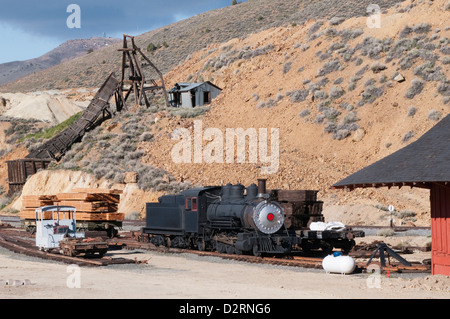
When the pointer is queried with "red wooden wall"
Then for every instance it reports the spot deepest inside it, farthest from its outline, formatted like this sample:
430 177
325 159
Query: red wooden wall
440 229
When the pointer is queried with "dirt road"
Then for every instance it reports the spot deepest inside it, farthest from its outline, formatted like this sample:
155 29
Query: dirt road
186 276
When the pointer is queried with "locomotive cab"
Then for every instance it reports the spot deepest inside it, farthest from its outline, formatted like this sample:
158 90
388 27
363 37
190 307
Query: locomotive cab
176 220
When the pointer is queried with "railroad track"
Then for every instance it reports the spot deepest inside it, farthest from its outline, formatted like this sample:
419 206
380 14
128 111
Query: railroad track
305 262
22 242
315 262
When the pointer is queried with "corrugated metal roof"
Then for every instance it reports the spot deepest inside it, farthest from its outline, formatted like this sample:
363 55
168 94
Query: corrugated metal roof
186 86
423 161
189 86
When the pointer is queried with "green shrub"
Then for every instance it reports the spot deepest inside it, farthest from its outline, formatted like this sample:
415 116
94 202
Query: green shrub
52 131
151 47
408 136
434 115
415 88
405 214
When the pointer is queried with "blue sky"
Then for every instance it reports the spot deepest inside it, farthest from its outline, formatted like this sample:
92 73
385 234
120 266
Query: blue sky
30 28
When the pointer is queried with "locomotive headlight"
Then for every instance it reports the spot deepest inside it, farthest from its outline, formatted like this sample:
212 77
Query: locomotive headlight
268 217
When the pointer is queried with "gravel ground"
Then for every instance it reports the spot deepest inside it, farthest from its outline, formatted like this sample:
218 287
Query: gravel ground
187 276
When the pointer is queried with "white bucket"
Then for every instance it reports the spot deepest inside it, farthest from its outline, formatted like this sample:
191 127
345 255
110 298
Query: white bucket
337 263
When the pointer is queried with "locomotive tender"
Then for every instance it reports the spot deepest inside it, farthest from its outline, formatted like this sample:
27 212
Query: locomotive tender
235 219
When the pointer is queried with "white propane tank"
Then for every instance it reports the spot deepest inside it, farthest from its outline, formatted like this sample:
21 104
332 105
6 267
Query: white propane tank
337 263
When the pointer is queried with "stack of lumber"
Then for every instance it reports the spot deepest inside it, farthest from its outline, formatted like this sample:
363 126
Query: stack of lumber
31 202
91 204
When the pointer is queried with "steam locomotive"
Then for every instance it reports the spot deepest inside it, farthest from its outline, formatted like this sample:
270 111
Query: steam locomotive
237 220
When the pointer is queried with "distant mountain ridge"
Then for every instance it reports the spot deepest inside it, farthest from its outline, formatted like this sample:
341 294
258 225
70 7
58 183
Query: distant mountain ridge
69 50
173 44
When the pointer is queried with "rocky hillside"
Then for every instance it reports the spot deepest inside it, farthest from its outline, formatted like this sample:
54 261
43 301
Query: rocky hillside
69 50
171 45
341 94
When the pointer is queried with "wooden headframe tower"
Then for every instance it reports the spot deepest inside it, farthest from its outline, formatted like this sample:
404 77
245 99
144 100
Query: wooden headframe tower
133 79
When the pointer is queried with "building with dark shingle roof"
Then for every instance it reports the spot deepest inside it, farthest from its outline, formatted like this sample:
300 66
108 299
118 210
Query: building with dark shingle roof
424 163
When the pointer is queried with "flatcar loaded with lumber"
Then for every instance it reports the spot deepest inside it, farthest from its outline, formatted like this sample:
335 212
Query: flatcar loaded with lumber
97 209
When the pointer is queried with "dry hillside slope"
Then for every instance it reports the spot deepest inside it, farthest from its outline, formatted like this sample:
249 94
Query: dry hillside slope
177 41
329 87
342 95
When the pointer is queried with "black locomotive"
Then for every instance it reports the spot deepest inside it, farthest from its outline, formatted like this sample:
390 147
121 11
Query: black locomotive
235 219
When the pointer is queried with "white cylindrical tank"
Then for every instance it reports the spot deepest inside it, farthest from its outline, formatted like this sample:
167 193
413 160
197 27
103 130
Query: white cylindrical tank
337 263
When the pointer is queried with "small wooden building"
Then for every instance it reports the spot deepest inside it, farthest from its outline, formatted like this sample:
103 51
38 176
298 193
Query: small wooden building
20 170
190 95
424 163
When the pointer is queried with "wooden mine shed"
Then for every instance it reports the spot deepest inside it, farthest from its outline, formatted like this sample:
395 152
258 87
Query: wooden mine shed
20 170
424 163
190 95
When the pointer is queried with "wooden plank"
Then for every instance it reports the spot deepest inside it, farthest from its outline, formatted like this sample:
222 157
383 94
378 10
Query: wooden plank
83 206
31 214
16 173
97 191
40 197
297 195
116 216
89 197
76 197
36 204
81 216
112 198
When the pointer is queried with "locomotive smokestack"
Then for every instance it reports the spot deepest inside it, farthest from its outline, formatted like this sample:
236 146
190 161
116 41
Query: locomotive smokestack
262 186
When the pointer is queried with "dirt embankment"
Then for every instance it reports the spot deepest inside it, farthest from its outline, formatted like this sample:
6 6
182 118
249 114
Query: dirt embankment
329 87
52 182
52 106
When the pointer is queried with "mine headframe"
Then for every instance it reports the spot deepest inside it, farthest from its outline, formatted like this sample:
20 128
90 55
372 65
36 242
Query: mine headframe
133 78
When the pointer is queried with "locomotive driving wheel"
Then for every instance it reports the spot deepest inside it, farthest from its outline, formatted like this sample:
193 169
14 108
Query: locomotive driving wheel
256 251
201 245
220 247
158 241
229 249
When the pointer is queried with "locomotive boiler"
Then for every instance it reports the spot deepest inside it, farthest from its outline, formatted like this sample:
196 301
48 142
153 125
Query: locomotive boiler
238 219
252 211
